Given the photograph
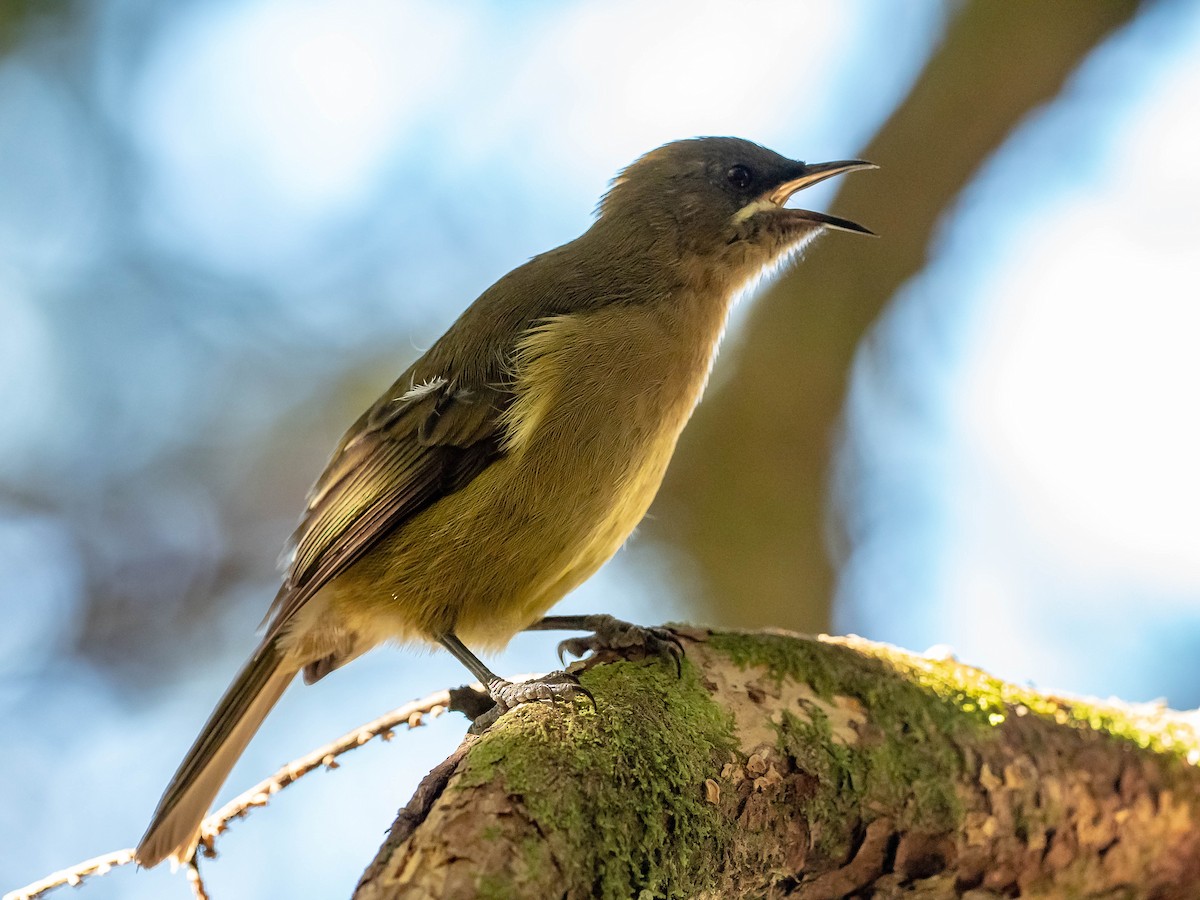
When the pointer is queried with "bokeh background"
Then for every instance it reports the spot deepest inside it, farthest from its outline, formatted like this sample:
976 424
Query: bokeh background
226 226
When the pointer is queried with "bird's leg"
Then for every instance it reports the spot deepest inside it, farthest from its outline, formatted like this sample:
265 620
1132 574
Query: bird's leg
507 694
609 633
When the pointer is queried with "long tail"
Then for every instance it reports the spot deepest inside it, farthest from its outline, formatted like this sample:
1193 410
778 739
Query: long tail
175 828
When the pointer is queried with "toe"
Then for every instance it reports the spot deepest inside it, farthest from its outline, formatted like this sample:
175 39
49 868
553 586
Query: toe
553 687
576 646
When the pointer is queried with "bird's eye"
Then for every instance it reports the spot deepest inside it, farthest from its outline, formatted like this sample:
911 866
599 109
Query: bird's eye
740 177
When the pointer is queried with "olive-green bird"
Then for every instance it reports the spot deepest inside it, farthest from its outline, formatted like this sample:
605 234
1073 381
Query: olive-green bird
508 463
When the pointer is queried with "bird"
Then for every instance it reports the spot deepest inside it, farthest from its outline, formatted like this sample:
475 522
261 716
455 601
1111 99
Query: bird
516 455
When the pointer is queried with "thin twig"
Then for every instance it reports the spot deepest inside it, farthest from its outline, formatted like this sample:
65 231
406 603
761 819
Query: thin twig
411 714
239 807
192 870
100 865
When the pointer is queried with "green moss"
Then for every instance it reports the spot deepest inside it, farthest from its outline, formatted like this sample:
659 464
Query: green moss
990 701
910 770
532 850
494 887
625 805
838 772
911 767
924 708
784 657
975 698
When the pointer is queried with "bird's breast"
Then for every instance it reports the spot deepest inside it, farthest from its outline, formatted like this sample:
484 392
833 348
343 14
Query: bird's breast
609 387
601 399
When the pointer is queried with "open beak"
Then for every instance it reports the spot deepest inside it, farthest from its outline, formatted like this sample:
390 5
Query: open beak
812 174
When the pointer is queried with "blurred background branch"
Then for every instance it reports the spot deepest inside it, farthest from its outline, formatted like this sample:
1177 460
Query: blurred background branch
762 443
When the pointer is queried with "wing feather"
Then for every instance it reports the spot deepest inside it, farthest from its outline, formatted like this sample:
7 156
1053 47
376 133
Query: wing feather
408 451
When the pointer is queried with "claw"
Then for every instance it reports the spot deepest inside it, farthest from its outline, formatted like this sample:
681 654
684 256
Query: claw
591 698
577 647
675 648
613 634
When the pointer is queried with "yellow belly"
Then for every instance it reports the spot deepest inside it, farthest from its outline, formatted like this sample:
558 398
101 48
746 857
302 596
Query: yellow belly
589 439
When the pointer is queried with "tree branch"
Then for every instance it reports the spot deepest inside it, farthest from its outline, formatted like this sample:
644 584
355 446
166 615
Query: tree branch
808 767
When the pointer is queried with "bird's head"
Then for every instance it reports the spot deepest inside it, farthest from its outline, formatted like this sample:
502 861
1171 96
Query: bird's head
721 198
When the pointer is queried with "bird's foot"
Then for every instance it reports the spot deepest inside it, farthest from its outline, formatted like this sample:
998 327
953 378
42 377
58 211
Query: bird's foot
509 694
609 633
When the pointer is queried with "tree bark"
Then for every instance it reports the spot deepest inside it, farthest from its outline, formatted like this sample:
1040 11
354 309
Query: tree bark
781 765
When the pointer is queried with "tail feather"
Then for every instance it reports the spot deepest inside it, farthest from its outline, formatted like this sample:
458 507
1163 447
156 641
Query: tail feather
175 828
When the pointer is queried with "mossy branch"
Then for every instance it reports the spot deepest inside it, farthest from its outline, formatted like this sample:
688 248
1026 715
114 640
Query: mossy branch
808 767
